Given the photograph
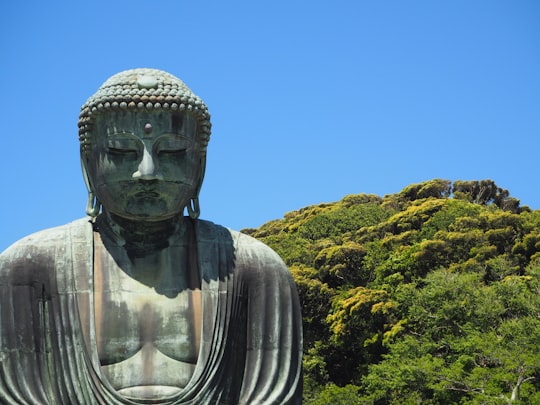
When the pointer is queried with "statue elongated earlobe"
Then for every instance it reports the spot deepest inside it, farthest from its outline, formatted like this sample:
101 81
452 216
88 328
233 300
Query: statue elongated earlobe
193 207
93 206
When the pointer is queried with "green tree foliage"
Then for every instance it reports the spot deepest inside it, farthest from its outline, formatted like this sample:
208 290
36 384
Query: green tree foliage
430 295
485 192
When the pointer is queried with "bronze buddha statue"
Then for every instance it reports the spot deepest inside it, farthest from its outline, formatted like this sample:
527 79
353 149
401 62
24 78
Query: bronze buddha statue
136 303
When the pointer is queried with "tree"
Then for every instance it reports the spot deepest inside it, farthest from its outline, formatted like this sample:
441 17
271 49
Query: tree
419 297
485 192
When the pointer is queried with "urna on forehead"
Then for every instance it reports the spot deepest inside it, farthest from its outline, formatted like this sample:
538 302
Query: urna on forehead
144 90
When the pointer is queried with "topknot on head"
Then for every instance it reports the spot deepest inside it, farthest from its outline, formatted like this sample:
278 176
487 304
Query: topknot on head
146 90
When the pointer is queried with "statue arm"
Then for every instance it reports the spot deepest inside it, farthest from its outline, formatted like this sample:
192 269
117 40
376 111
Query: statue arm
24 285
28 287
273 369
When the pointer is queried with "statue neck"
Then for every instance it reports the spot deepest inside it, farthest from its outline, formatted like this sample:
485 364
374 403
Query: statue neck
140 233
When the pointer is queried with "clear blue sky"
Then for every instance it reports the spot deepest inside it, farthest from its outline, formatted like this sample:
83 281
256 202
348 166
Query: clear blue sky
310 100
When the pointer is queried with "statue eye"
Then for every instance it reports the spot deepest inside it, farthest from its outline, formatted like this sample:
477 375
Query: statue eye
171 146
122 146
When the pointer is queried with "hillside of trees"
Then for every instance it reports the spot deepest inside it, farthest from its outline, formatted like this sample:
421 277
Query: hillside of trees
427 296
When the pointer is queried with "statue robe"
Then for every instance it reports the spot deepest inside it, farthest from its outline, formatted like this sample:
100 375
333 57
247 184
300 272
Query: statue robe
251 343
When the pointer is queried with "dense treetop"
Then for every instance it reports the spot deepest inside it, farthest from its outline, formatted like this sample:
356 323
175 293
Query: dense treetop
430 295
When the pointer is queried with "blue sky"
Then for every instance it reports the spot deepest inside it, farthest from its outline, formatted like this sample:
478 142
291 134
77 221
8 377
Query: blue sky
310 100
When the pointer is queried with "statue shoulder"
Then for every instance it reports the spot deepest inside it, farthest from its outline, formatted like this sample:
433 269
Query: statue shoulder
249 245
258 262
38 252
250 254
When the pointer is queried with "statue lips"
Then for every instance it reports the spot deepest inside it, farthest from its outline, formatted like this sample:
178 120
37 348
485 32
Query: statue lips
146 188
146 194
150 189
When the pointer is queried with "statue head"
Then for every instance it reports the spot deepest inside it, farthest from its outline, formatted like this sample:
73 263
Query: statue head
143 138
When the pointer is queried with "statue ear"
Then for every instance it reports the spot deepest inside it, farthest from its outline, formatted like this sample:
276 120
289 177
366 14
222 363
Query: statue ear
93 206
201 175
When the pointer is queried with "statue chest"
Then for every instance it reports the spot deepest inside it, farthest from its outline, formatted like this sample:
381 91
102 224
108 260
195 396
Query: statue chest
147 318
135 318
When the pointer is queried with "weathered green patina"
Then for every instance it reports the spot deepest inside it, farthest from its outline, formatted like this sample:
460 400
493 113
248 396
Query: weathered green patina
136 303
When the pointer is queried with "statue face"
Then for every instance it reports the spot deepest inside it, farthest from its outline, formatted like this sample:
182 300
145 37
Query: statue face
144 165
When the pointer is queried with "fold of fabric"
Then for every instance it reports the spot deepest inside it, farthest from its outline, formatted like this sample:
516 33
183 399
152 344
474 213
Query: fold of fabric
251 340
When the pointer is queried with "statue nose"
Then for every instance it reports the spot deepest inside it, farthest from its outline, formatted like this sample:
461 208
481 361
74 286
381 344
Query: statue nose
147 169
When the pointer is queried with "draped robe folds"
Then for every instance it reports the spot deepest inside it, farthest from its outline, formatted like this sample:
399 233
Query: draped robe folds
251 343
